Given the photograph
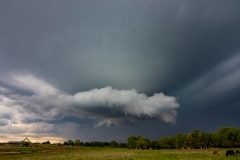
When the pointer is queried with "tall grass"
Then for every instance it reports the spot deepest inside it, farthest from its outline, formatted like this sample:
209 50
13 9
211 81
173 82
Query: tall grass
106 153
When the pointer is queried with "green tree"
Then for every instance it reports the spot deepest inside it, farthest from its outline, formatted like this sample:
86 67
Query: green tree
77 142
70 142
138 142
154 144
237 142
167 142
122 145
132 142
195 139
216 140
231 136
87 144
207 140
180 141
113 143
228 137
143 142
65 143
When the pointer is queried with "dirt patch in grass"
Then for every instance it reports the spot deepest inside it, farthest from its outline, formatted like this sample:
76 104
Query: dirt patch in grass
9 153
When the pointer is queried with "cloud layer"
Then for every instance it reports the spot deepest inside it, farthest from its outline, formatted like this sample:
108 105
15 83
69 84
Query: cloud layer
43 102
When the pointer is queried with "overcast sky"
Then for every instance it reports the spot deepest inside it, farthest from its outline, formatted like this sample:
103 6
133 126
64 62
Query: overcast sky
107 69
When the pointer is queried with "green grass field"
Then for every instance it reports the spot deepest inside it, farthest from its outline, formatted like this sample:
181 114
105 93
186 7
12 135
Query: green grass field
105 153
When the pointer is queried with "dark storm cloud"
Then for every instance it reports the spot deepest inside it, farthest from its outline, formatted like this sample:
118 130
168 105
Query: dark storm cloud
50 103
83 42
189 49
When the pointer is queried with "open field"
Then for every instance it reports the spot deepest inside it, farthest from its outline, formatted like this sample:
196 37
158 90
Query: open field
105 153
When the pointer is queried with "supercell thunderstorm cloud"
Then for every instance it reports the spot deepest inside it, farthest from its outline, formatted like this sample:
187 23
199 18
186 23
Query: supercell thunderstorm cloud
105 70
43 101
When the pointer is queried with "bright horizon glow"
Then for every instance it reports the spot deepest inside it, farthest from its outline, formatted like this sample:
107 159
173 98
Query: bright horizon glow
52 140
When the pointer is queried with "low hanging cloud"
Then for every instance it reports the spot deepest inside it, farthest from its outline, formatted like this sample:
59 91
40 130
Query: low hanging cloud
106 105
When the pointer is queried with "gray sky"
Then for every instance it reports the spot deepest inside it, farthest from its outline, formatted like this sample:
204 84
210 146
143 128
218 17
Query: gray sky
104 70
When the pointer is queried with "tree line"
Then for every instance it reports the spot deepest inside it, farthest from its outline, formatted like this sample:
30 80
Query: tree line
77 142
227 137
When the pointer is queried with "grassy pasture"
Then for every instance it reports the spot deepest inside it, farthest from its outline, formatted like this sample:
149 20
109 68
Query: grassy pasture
105 153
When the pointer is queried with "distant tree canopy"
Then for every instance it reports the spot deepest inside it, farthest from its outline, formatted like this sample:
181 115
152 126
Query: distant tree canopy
113 144
96 144
77 142
227 137
138 142
47 142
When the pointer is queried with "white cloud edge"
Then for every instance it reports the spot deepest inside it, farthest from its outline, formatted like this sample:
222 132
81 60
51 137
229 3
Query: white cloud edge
49 103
